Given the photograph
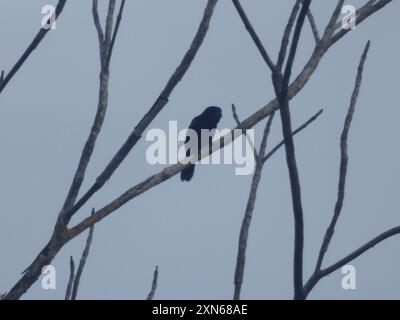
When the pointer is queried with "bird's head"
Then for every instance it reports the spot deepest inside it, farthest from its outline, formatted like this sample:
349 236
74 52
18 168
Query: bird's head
213 112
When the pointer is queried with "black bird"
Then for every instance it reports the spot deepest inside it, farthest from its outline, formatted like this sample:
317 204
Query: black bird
207 120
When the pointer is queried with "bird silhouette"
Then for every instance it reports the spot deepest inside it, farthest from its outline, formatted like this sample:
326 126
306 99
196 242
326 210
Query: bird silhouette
208 119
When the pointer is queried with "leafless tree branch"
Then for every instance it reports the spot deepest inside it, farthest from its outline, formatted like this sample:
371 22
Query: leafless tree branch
319 273
244 231
314 27
281 89
286 34
362 13
105 46
34 44
71 278
153 289
343 161
303 126
116 29
82 262
237 120
330 28
254 35
100 34
161 101
317 276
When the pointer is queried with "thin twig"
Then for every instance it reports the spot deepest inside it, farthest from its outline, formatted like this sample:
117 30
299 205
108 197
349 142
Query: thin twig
361 14
100 34
330 28
314 27
82 262
153 289
244 231
237 120
34 44
343 160
114 36
254 35
303 126
109 23
71 278
286 35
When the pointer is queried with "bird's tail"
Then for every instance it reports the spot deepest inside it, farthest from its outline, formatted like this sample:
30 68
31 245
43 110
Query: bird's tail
187 174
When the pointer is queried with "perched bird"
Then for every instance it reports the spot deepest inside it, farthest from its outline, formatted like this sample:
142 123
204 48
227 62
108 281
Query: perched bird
206 120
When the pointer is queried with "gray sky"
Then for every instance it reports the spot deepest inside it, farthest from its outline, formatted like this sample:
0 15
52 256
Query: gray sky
190 230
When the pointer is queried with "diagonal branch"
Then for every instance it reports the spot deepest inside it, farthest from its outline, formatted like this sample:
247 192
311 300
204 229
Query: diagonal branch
153 289
254 35
343 160
303 126
286 34
82 262
314 27
244 231
34 44
237 120
361 14
330 28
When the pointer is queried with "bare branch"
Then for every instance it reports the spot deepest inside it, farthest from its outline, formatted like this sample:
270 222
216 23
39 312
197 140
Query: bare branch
35 42
244 231
114 36
82 262
314 279
237 120
153 285
343 160
303 126
362 13
301 80
281 89
104 46
235 115
314 27
100 34
286 34
330 28
153 112
254 35
109 23
71 278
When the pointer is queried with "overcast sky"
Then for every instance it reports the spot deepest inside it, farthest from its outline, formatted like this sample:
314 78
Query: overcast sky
190 230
